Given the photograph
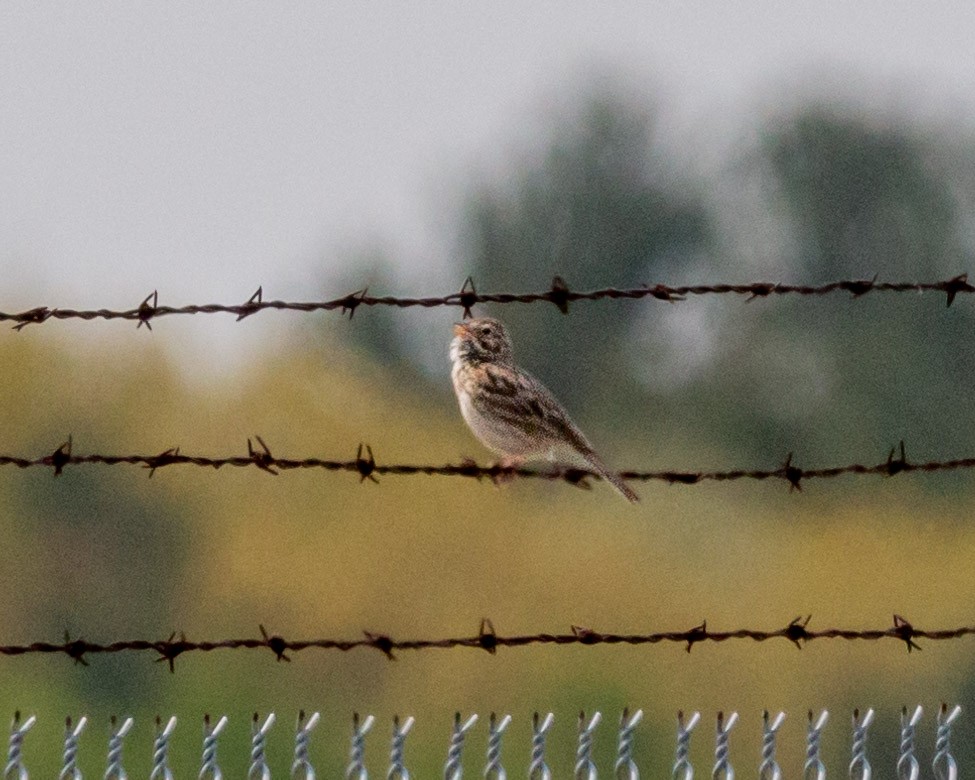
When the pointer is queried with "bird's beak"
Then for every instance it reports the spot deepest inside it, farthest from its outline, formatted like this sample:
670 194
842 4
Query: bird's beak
461 329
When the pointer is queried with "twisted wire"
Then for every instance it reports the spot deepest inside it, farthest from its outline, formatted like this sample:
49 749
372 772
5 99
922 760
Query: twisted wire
625 768
559 295
259 456
493 769
723 770
944 764
160 750
907 765
585 769
538 769
797 632
301 765
115 770
453 770
814 768
14 769
356 769
209 764
397 768
259 767
69 763
859 765
769 768
682 769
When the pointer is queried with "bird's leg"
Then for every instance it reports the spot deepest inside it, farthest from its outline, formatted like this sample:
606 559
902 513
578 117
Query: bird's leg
506 466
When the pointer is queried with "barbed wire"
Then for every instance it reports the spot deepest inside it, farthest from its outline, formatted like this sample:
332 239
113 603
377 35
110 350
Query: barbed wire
797 631
559 294
586 762
364 464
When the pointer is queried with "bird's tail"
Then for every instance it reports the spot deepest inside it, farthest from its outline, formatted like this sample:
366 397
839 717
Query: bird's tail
611 477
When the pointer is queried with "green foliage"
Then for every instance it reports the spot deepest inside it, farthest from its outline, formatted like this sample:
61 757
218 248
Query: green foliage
598 208
866 198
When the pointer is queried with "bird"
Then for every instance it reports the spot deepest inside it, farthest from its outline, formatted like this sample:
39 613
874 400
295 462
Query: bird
510 411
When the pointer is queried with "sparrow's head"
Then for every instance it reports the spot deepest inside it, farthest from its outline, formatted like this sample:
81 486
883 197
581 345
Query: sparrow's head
482 340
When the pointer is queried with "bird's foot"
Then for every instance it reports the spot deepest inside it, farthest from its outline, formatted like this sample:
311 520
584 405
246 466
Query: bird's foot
504 469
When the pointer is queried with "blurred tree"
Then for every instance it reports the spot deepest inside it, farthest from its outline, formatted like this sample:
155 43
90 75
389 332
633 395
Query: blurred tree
866 198
835 377
597 208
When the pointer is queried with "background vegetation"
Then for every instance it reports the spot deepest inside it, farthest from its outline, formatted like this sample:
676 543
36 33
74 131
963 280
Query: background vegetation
834 191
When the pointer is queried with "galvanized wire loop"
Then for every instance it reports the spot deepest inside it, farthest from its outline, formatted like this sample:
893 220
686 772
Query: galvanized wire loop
397 767
114 770
625 768
356 770
538 769
682 769
14 769
493 769
160 750
259 767
723 770
814 768
301 766
907 765
69 768
944 764
209 764
859 765
769 768
585 769
453 770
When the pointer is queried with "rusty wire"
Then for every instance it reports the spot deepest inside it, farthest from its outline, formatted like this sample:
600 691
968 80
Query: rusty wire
559 295
797 631
364 464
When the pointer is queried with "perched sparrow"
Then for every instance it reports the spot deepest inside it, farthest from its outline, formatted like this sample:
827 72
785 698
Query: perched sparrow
510 411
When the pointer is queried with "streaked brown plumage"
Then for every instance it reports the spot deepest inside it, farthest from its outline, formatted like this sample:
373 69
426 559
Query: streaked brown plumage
510 411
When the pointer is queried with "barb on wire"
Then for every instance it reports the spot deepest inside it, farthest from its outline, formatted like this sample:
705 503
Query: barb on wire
160 750
944 765
907 764
682 769
795 632
538 769
493 770
115 770
69 762
722 760
209 766
367 467
356 769
559 295
859 765
258 768
14 769
769 768
585 768
397 764
625 767
814 768
301 765
453 769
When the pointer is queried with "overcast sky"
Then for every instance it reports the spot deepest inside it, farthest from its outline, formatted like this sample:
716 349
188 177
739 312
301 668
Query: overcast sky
203 148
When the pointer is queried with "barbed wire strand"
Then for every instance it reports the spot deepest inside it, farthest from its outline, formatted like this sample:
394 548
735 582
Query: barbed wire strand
944 764
364 464
797 631
559 294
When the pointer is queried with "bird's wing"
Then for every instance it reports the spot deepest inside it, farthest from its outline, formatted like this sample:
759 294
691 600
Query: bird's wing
519 399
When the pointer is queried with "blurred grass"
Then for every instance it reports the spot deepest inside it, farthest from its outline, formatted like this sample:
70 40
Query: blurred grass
108 553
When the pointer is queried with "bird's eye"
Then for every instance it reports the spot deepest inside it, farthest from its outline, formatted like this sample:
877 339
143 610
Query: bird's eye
486 330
